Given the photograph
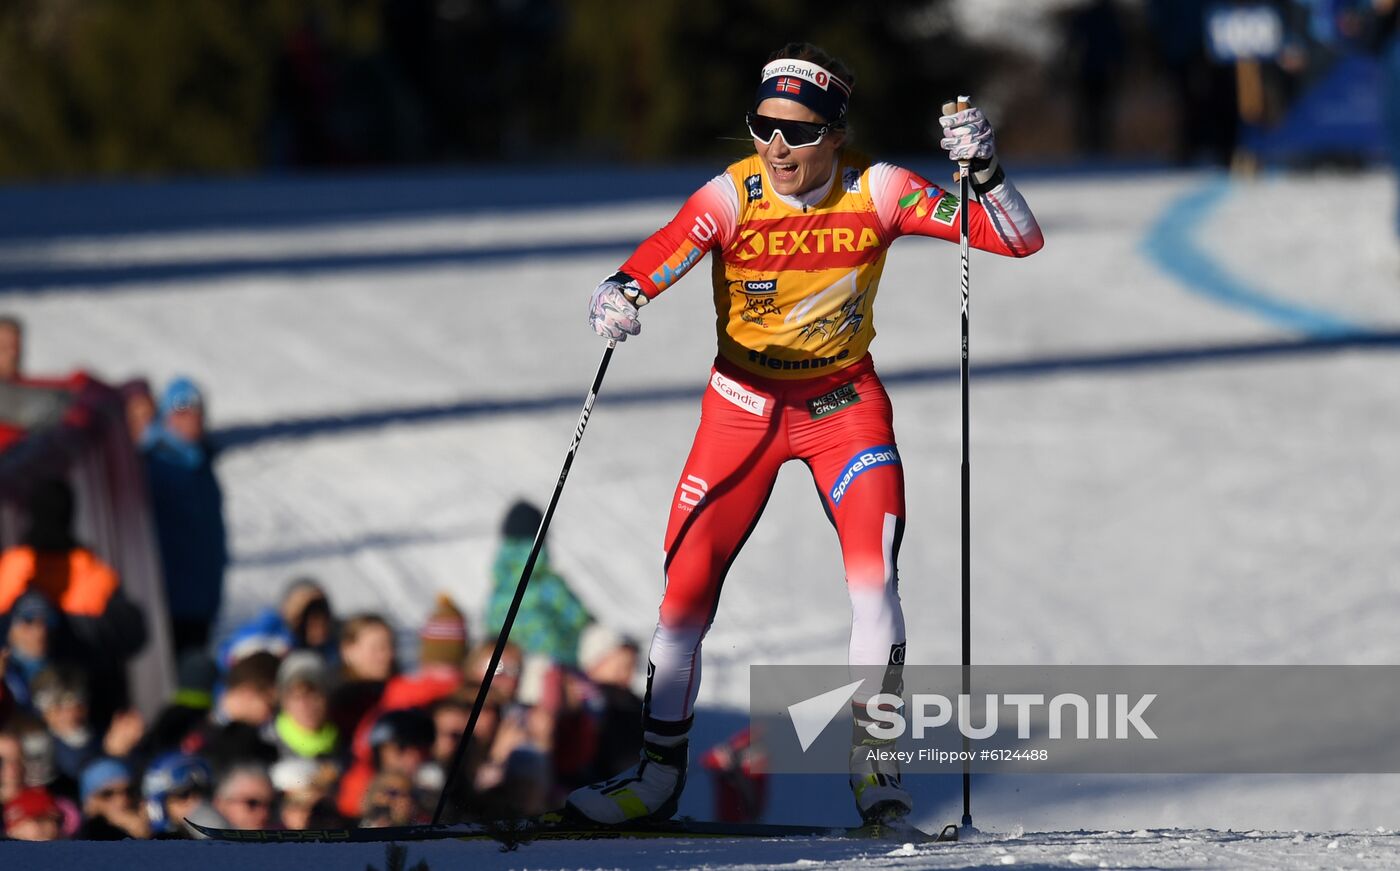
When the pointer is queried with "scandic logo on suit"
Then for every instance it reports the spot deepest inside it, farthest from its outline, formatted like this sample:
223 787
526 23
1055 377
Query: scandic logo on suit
737 394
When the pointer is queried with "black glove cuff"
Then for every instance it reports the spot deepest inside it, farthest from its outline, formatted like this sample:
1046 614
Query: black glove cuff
630 288
998 177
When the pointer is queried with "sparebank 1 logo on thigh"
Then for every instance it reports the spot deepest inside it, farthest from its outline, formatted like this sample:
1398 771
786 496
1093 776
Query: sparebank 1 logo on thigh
882 455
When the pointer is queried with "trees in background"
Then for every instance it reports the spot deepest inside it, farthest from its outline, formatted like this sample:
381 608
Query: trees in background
145 87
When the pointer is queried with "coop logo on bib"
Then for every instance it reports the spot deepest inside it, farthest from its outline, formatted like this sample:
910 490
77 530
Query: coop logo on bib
883 455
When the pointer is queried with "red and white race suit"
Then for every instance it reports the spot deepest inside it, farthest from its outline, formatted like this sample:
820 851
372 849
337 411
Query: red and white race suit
794 289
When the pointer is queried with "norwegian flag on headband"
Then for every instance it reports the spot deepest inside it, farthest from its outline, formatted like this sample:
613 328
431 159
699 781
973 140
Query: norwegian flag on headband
807 83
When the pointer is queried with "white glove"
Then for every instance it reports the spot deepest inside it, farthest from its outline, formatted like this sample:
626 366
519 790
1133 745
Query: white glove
613 310
968 136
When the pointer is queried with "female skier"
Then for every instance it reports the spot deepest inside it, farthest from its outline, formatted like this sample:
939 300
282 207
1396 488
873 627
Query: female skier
800 229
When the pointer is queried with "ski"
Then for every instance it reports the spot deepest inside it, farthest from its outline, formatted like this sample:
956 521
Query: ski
554 827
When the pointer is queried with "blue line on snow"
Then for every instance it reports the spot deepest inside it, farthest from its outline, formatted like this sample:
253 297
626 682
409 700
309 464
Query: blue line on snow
247 435
1172 246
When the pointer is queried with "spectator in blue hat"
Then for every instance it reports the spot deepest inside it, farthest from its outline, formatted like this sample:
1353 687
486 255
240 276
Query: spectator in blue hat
109 804
175 787
189 513
32 623
265 632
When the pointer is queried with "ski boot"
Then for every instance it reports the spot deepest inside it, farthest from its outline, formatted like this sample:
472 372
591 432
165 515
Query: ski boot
880 798
650 791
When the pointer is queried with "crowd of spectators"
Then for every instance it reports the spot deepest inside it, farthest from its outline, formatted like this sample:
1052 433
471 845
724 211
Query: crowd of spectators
298 718
301 718
177 458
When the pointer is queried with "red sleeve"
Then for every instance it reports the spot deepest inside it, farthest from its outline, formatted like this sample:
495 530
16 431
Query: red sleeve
706 221
910 205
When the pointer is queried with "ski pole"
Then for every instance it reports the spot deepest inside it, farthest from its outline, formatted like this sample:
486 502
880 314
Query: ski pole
460 750
964 232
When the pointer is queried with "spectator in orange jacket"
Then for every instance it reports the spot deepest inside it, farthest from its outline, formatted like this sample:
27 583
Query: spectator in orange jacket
100 627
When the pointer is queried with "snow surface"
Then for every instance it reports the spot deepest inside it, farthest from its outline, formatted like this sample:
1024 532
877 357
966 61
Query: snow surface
1219 509
1137 849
